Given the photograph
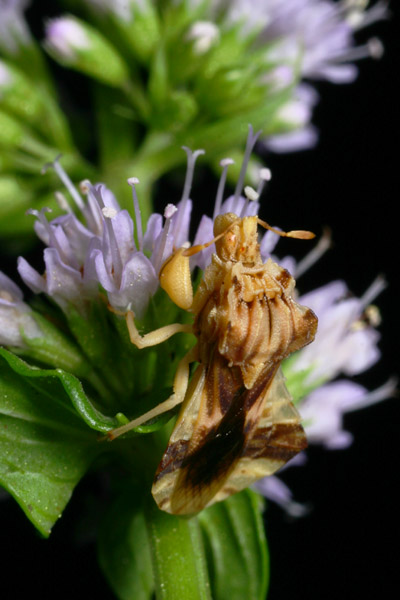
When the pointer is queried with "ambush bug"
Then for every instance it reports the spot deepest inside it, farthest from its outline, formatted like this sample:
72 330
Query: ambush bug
237 422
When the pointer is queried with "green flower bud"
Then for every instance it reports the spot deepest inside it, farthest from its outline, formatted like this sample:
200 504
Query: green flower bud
11 132
18 95
75 44
12 197
134 24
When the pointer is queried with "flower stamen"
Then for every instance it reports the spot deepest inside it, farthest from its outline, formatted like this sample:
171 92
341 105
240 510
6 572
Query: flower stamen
376 288
372 49
387 390
251 196
191 162
324 243
92 210
224 163
62 175
110 213
265 176
159 259
63 202
251 142
138 217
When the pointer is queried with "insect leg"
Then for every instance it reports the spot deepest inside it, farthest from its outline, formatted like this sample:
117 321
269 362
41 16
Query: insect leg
181 380
154 337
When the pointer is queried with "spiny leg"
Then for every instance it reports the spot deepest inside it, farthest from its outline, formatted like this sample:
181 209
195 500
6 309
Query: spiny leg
181 381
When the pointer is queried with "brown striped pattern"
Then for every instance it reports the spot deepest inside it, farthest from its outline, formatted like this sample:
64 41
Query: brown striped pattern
240 414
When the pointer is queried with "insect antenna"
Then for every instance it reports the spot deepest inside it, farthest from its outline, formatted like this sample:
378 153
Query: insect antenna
299 234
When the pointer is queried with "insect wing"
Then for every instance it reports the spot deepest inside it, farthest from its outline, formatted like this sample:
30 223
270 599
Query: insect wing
167 473
226 437
277 437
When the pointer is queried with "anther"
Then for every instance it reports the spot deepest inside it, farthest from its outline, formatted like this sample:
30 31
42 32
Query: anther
265 176
251 195
109 212
62 202
169 211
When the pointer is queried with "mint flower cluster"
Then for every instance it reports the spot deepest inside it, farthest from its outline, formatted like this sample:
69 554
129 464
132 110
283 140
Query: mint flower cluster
162 75
103 258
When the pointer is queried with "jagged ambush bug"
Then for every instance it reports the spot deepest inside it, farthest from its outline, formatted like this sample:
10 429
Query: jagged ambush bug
237 422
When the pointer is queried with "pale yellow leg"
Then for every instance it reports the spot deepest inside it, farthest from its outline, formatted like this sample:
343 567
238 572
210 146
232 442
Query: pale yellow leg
181 381
154 337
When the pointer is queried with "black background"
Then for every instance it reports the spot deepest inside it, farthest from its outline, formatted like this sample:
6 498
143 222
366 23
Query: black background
347 546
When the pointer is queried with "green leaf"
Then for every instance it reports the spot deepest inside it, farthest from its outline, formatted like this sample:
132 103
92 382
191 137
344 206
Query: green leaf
123 548
177 556
45 447
70 394
236 548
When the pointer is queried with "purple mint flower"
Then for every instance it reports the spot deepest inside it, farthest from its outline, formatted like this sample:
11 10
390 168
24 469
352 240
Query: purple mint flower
65 279
274 489
126 274
296 114
323 410
299 139
319 31
68 277
313 38
99 249
15 316
345 342
81 256
102 250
